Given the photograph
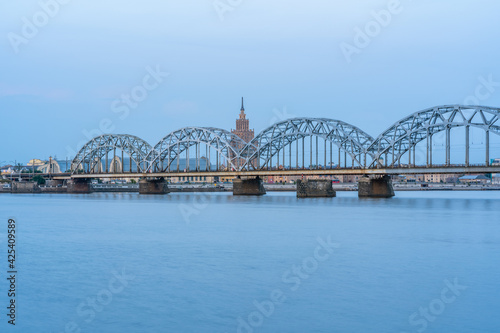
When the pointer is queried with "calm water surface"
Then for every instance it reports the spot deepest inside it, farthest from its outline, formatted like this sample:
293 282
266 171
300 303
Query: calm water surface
422 261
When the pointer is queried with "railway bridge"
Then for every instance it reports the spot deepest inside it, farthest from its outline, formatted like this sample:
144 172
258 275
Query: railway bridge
449 139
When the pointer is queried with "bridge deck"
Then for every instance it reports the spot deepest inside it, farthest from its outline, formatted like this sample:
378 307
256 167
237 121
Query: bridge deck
294 172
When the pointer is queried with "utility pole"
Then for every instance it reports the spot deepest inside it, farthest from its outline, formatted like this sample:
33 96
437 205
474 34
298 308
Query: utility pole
20 169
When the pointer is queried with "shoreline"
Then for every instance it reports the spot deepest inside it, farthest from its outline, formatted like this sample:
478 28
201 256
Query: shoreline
112 188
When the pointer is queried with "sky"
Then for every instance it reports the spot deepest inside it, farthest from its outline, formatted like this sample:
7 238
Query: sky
72 70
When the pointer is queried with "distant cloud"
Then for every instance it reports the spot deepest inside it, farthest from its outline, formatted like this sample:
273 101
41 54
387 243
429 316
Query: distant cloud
48 94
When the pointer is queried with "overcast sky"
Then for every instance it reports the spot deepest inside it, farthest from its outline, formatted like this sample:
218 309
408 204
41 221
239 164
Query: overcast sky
64 71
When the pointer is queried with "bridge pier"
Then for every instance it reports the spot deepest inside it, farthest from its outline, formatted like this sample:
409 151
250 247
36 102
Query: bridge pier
79 185
24 187
250 186
153 186
380 187
315 188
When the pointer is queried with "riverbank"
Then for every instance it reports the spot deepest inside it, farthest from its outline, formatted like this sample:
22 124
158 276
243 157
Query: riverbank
269 188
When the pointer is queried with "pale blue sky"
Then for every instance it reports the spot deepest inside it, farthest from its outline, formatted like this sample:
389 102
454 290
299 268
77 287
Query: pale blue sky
284 57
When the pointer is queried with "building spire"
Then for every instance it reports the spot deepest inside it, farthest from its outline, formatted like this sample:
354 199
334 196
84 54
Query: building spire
242 107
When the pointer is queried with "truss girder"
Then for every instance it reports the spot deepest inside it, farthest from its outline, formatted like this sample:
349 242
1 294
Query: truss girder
364 150
272 140
174 144
92 153
409 131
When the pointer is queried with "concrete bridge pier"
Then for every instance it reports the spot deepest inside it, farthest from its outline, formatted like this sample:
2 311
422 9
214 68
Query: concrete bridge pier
25 187
153 186
380 187
315 188
79 185
250 186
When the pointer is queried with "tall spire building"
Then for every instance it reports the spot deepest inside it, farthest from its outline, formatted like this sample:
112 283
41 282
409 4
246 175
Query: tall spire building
242 126
243 131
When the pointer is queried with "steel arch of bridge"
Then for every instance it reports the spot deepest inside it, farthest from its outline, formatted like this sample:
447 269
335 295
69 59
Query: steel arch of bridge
365 152
170 148
91 154
268 143
404 135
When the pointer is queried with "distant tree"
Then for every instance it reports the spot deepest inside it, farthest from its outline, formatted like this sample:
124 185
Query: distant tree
39 179
132 181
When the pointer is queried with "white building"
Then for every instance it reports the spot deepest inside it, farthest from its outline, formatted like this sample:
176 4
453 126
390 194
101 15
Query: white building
50 167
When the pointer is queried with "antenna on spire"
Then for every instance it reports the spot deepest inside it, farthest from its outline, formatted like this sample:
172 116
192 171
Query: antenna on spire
242 107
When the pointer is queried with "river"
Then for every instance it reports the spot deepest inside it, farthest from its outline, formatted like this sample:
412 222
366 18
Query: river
189 262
